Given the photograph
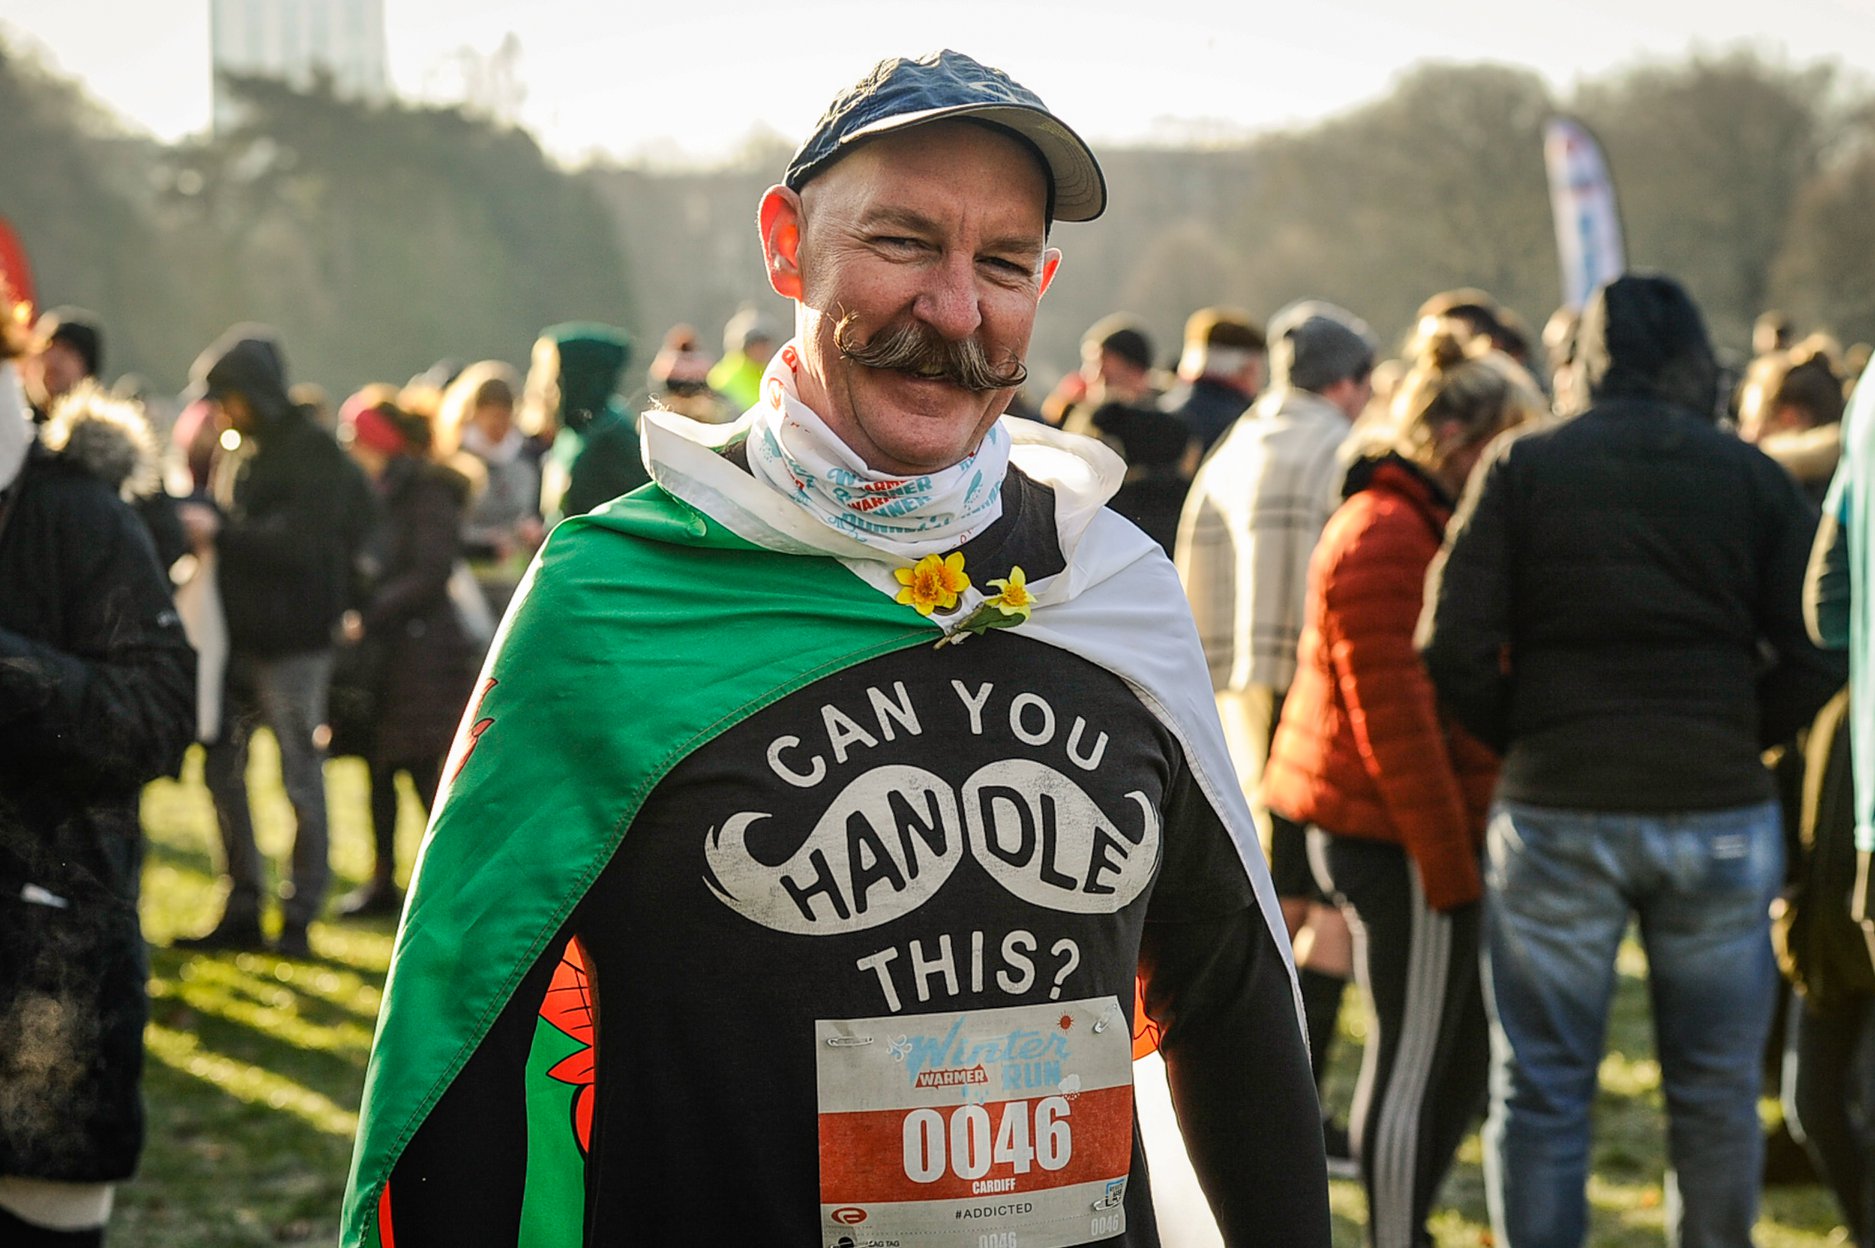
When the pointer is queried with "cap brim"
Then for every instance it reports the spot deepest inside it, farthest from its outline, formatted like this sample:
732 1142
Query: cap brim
1080 187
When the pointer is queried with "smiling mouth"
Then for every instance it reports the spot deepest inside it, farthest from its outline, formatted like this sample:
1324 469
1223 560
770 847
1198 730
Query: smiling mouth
938 375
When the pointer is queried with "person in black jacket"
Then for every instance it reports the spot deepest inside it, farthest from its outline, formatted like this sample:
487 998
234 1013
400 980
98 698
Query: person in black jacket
1220 373
1120 408
291 515
1618 610
97 696
420 655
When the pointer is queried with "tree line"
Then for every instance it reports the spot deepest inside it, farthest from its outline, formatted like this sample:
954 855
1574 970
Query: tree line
382 238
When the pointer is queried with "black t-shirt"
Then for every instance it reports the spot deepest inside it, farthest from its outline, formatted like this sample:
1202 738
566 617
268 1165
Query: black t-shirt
988 827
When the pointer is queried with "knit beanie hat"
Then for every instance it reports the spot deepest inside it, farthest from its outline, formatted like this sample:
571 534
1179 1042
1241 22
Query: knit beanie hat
79 330
1313 345
1123 338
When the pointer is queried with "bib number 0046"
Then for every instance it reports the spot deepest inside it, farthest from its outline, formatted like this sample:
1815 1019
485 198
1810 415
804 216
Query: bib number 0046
965 1143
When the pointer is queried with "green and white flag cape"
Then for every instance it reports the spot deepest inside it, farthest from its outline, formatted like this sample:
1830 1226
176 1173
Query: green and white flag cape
644 631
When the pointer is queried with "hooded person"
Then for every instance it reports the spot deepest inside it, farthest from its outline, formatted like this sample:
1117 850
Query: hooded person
596 457
96 698
824 819
1617 610
289 515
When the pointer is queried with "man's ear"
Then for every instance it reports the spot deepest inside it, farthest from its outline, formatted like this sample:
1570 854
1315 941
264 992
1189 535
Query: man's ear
1051 260
780 223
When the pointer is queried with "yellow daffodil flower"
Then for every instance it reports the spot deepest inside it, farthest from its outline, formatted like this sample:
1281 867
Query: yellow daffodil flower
933 583
1009 608
1013 596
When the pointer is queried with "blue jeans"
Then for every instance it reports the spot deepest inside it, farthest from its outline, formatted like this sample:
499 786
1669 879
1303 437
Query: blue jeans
1560 886
288 695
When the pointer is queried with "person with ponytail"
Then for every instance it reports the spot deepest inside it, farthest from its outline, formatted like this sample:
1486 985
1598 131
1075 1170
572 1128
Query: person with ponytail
1394 795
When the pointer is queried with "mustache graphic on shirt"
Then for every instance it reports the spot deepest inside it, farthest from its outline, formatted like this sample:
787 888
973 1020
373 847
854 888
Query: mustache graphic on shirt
892 838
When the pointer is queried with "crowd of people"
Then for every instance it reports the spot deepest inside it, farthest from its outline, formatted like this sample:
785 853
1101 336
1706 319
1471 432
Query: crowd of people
1495 650
1486 738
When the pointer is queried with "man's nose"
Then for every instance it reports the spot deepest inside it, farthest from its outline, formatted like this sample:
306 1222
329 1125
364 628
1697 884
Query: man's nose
949 302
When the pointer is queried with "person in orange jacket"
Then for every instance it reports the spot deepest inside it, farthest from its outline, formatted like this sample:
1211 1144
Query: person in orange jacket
1395 796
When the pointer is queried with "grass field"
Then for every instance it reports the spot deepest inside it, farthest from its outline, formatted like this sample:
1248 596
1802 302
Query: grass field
256 1064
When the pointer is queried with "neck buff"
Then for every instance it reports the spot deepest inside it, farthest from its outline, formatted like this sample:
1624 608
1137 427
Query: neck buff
792 450
16 426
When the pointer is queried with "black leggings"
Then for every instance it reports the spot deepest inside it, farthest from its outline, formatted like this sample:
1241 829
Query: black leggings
424 777
1423 1069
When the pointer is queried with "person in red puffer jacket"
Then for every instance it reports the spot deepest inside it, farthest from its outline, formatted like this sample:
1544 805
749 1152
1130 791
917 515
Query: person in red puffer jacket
1395 795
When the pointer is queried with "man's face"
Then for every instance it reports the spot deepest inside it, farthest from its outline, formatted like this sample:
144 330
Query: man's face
1111 376
60 368
940 228
493 419
52 371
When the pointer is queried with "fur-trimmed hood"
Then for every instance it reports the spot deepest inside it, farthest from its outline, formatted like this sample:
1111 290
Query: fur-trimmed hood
107 437
1810 455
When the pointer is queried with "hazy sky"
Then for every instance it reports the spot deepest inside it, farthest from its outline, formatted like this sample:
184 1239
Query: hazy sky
697 76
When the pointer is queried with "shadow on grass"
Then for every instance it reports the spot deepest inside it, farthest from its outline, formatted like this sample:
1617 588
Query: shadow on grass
225 1170
259 1033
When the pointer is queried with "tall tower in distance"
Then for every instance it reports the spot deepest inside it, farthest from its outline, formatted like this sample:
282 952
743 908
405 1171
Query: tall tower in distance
294 40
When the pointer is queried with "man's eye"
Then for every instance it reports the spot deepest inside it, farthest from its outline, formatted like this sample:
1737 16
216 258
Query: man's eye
898 244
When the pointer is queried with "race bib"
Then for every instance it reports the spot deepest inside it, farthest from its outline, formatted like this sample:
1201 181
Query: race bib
1001 1128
